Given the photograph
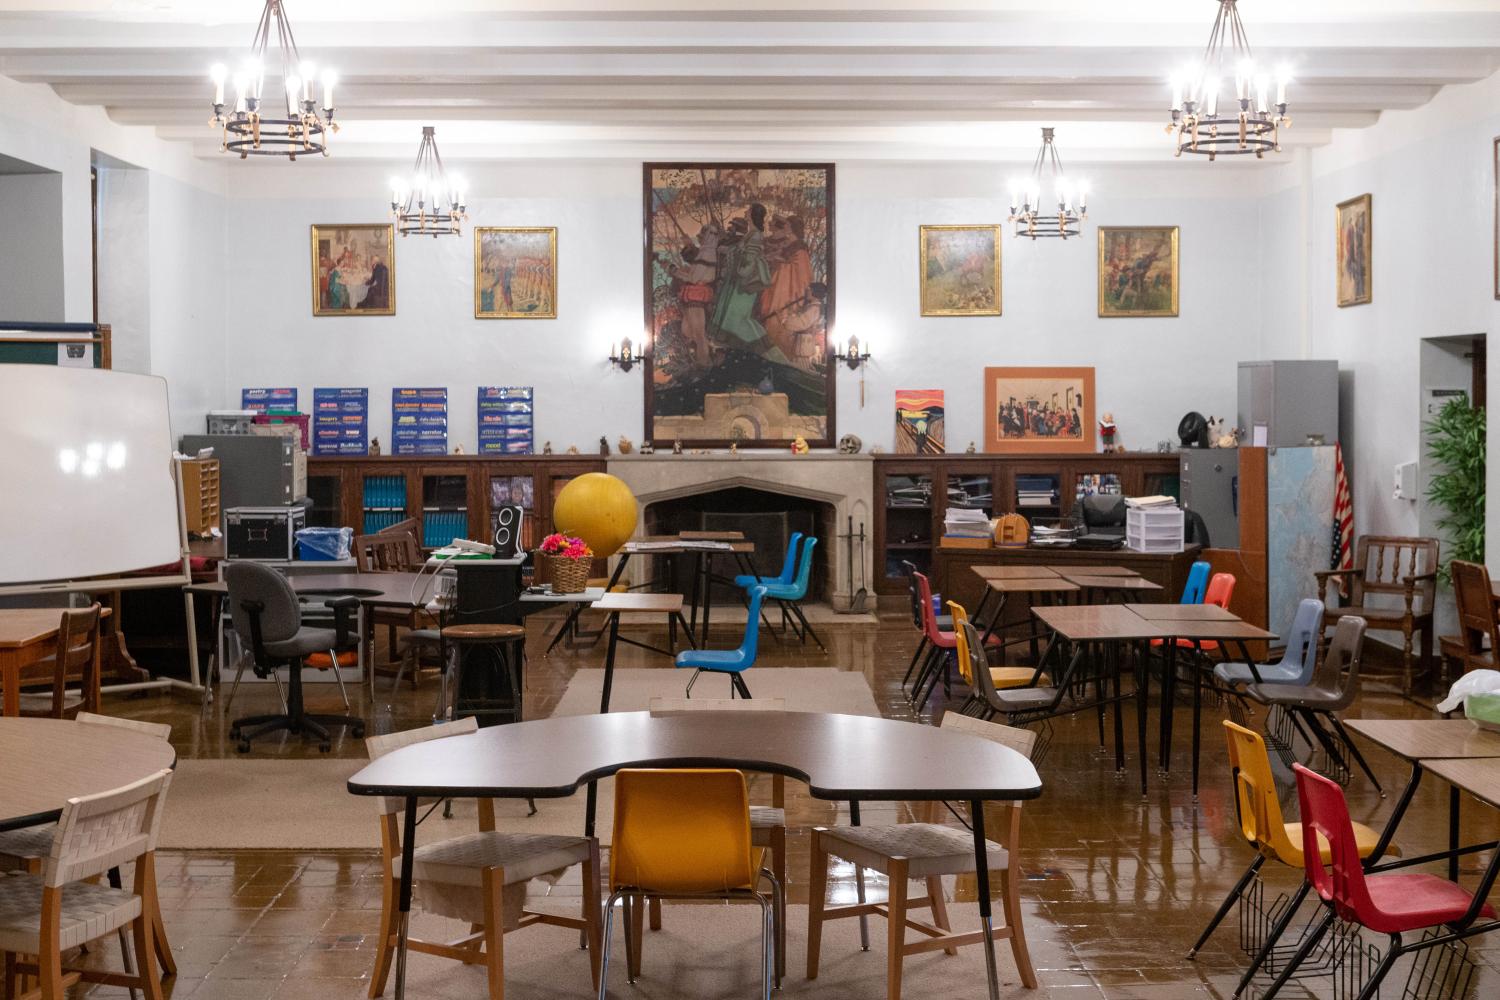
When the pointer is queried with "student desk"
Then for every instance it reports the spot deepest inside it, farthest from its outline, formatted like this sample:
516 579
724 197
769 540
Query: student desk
614 605
841 757
27 635
703 546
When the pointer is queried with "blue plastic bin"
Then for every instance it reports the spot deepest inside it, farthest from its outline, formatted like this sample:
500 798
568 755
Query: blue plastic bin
324 544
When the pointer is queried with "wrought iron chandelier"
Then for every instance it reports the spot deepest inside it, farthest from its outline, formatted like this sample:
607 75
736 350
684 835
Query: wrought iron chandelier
1248 121
287 123
430 203
1027 213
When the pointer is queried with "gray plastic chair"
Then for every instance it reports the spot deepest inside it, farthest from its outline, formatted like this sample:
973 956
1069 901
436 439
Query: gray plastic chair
1297 663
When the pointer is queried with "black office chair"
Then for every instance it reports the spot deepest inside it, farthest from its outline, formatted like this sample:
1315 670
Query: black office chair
1104 514
266 611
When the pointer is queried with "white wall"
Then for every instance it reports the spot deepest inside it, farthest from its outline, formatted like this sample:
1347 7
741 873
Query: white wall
124 262
1150 371
31 282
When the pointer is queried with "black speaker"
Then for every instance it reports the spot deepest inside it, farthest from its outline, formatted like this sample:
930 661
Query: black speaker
508 531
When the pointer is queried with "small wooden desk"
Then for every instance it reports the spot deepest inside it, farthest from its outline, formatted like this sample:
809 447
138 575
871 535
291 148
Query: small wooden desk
703 548
615 605
1012 572
1118 584
1003 587
1480 777
1182 612
27 635
1101 571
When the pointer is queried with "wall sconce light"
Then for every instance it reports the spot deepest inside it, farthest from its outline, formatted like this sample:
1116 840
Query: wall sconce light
623 357
853 356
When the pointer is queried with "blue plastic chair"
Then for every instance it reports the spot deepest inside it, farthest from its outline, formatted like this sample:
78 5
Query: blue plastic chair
789 594
1197 584
733 662
1297 663
788 569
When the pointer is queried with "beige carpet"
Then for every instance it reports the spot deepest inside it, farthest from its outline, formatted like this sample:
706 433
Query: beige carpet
270 803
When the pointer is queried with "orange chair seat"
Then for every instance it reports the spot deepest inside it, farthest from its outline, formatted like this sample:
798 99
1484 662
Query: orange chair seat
1207 645
320 661
1014 677
1364 838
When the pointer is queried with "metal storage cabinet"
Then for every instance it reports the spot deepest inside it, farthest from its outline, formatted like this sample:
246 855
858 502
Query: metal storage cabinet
254 471
1292 400
1211 488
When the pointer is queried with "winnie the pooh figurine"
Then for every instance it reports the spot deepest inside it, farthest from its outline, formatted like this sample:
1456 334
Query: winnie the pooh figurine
799 446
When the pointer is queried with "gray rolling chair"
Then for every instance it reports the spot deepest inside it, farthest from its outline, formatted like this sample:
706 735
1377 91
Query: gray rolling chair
266 610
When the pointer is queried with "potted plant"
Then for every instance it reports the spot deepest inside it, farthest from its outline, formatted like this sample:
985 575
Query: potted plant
570 560
1457 444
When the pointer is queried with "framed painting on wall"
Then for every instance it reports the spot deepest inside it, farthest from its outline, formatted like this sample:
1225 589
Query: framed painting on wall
1138 271
919 422
739 294
1038 410
1352 231
515 272
960 270
1495 255
354 270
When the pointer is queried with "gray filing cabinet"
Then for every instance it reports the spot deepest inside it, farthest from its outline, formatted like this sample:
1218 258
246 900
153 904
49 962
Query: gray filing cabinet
1282 404
254 471
1210 480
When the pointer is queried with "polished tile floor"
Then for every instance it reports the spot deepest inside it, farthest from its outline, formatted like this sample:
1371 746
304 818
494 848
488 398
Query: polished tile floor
1117 886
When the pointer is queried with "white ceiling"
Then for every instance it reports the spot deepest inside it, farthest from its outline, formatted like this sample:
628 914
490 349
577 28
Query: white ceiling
920 78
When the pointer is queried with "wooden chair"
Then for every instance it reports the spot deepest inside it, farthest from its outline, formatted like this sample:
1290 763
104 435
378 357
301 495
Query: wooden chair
926 850
395 550
1401 575
478 878
77 658
1478 627
44 915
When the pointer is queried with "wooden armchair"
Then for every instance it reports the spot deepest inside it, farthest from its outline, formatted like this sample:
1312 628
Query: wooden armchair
393 550
1478 627
1401 575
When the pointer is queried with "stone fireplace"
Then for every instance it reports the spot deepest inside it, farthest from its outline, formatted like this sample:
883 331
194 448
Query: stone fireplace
822 491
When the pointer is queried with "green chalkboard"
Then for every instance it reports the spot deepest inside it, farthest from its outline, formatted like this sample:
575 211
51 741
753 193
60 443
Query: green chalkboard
38 343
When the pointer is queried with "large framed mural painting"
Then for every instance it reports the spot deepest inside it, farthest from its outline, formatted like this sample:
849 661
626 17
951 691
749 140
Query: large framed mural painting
739 303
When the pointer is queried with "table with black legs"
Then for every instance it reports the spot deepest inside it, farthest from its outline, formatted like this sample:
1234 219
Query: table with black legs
704 550
841 758
614 605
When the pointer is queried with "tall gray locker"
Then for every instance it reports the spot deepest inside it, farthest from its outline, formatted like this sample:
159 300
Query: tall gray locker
1282 404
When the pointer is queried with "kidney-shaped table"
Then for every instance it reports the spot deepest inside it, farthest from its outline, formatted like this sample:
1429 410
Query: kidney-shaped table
840 757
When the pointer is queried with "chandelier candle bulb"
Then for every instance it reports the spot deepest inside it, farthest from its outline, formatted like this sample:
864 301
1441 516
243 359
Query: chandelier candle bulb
1028 220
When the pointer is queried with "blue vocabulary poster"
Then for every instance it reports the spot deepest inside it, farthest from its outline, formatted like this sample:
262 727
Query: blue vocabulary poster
341 421
261 400
505 420
419 421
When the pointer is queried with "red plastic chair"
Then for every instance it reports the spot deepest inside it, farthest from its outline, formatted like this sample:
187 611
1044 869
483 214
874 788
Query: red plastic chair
942 643
1220 590
1393 903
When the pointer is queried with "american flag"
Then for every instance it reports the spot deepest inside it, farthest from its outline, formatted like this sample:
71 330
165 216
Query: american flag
1343 517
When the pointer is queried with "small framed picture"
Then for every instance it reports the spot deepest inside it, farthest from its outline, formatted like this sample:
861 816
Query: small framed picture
515 272
1352 251
354 270
960 270
1138 271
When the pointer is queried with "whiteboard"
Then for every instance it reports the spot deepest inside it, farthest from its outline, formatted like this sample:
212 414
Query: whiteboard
86 484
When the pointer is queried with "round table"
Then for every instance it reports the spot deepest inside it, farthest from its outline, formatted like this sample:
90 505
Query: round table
45 762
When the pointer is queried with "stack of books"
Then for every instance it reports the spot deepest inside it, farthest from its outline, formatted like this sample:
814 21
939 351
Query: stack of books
1036 491
966 527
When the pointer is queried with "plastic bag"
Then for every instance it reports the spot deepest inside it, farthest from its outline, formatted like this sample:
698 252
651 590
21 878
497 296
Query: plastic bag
324 544
1473 682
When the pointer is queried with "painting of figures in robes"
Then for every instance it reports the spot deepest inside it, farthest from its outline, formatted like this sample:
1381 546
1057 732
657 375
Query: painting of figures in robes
354 270
515 273
739 303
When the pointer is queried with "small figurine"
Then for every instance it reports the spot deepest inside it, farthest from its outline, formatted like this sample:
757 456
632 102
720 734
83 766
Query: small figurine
375 447
603 445
1229 440
677 446
970 450
734 447
799 445
458 449
546 447
1215 431
625 446
572 449
850 444
647 448
1107 432
875 449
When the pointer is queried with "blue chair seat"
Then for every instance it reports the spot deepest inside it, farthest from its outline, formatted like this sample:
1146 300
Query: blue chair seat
746 581
712 659
784 591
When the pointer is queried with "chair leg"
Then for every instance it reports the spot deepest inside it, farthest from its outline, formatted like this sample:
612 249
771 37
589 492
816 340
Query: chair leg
1229 901
739 685
238 673
1393 952
492 881
338 676
635 931
778 868
384 950
609 933
144 952
407 656
915 658
158 928
939 908
1011 894
895 928
817 890
807 629
1359 757
591 911
653 913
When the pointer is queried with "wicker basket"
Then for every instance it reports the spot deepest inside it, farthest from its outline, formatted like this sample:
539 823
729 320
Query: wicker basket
569 576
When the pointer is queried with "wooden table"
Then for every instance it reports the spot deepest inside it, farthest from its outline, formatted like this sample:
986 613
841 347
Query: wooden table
1117 583
841 757
27 636
1183 612
951 568
1012 572
1003 587
1480 777
703 548
615 605
48 761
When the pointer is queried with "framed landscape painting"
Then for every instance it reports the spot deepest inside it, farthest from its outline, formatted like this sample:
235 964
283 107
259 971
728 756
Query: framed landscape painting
739 296
1352 251
1138 271
1038 409
354 270
515 272
960 270
919 421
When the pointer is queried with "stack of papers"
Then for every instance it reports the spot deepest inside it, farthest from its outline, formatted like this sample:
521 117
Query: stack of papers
966 522
1156 501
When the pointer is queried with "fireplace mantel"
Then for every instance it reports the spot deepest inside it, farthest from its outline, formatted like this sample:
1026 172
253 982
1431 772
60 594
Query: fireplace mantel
845 482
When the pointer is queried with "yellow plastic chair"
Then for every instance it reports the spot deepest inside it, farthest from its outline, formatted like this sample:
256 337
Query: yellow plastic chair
1003 677
683 834
1261 821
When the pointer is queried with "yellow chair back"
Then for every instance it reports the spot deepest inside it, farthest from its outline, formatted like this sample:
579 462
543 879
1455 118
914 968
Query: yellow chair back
681 831
1261 821
960 615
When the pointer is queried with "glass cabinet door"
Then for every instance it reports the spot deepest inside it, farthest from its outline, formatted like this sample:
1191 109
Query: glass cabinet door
383 501
515 491
445 509
908 522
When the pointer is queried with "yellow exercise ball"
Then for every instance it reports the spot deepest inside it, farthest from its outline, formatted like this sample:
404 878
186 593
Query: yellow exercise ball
599 508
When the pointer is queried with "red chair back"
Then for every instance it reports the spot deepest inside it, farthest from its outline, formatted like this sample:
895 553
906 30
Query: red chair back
1220 590
1325 814
929 620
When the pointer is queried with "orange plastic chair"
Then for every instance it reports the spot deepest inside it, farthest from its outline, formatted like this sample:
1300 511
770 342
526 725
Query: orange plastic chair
1220 590
1003 677
1261 821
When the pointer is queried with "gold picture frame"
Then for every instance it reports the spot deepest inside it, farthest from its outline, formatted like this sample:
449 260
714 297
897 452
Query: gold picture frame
1353 233
353 269
1134 263
948 258
530 292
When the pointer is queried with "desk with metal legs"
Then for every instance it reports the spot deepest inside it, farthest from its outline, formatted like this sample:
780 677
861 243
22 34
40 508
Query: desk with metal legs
840 757
704 549
614 605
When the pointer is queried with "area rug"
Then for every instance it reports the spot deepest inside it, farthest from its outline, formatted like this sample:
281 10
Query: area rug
260 803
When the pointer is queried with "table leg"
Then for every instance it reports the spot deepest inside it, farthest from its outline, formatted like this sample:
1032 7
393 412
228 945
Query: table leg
567 626
982 874
693 597
1197 718
192 616
590 808
614 577
978 617
1389 833
609 660
1116 664
997 620
1168 702
859 884
1453 817
403 917
707 561
1142 700
687 633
